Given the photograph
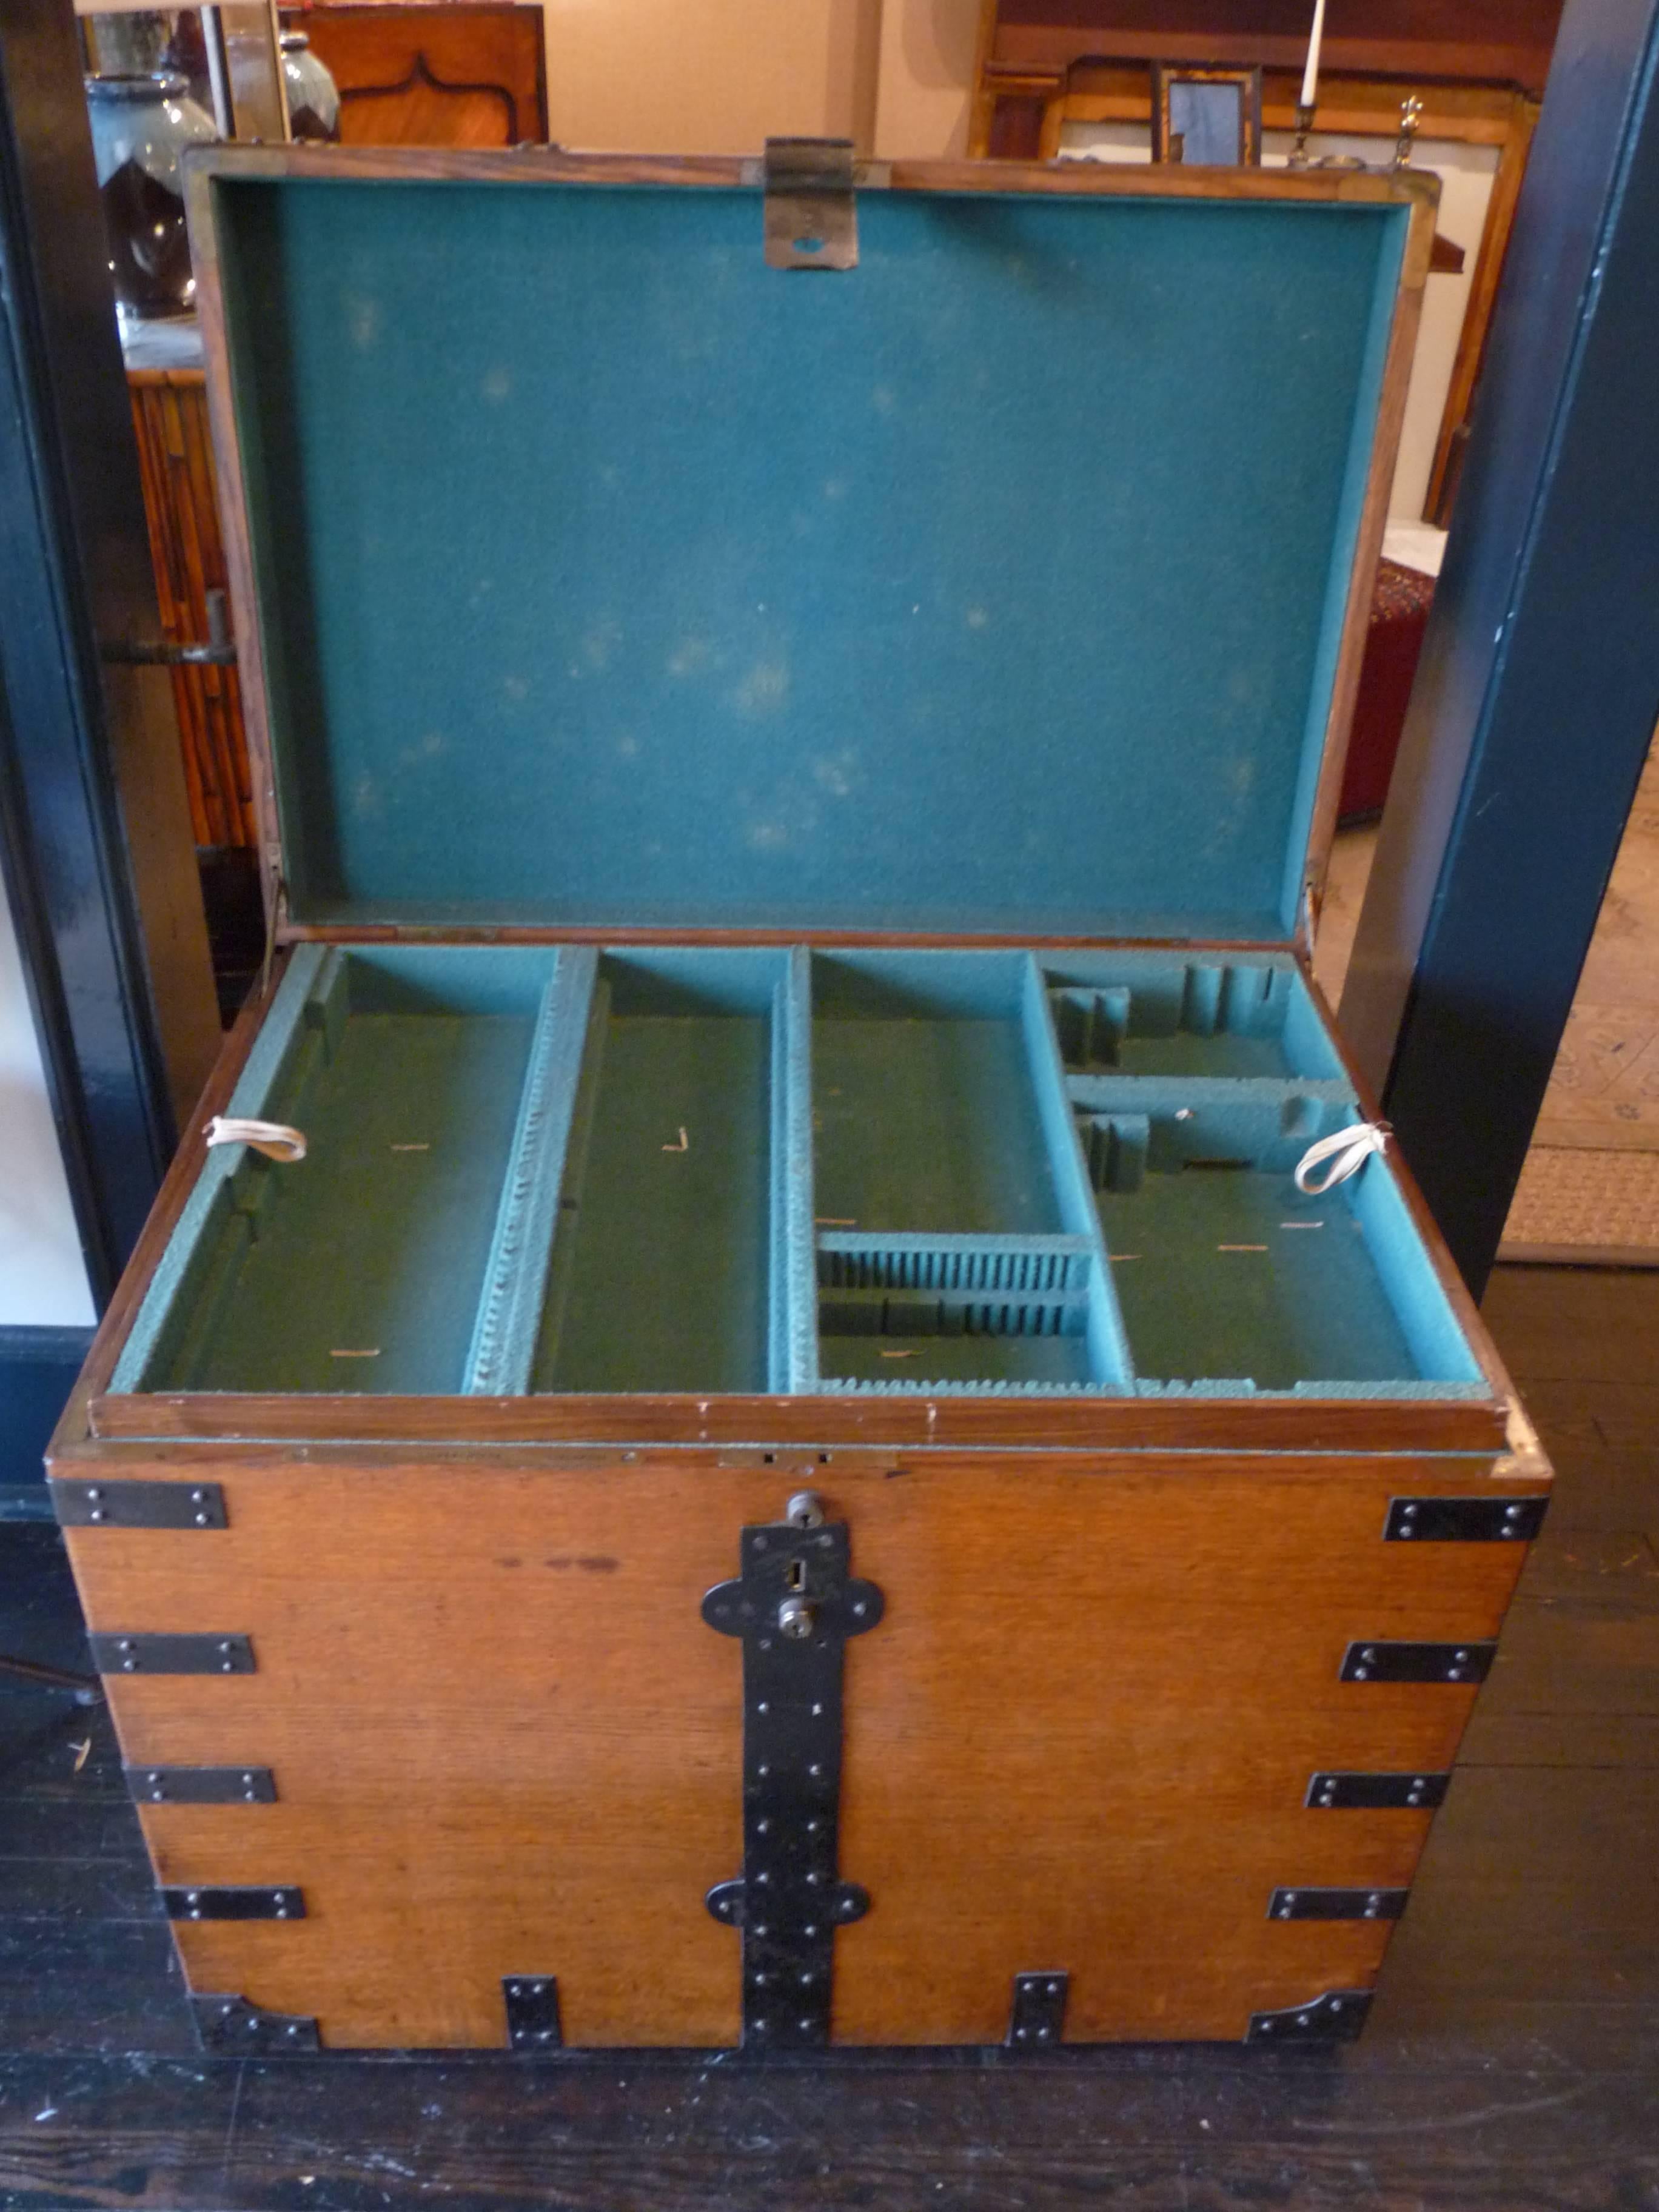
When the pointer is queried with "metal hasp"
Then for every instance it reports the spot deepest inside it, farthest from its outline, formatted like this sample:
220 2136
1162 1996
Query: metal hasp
1337 1904
231 2024
794 1607
1463 1520
138 1504
810 221
1418 1662
201 1785
532 2012
1336 2017
238 1904
117 1653
1375 1792
1036 2018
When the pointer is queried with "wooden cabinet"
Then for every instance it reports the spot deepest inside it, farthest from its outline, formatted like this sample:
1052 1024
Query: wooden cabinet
437 73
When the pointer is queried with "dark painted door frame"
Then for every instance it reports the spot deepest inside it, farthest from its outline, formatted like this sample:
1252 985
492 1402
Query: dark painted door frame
1538 691
73 566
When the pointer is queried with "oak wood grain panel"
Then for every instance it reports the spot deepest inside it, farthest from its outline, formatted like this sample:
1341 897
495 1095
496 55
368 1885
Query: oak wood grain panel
503 1738
1082 1737
504 1741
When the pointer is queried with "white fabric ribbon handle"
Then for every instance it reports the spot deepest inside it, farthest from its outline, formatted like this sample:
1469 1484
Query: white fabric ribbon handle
1347 1151
274 1139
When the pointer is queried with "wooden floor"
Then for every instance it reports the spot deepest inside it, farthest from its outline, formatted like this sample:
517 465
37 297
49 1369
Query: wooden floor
1511 2064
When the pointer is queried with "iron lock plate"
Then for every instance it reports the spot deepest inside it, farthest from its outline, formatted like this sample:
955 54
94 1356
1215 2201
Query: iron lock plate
794 1604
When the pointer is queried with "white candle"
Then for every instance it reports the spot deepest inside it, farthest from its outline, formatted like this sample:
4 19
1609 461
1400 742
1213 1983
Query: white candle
1311 75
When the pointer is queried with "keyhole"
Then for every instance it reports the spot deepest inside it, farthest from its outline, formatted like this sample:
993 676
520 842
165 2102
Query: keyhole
794 1575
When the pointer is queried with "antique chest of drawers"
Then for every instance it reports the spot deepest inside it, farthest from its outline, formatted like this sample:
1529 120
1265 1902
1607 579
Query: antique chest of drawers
794 1463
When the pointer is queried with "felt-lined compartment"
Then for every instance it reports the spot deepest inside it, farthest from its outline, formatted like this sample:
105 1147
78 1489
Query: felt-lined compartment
660 1277
570 1169
360 1267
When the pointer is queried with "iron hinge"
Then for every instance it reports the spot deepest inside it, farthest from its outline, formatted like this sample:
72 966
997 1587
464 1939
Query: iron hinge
1418 1662
811 219
201 1785
138 1504
236 1903
794 1606
1464 1520
1036 2018
1335 2017
116 1653
1337 1904
532 2012
1375 1793
227 2023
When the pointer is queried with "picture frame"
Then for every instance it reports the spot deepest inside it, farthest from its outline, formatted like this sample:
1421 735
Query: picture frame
1208 117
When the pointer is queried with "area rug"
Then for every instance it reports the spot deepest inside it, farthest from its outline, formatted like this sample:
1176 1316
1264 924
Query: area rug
1604 1090
1577 1205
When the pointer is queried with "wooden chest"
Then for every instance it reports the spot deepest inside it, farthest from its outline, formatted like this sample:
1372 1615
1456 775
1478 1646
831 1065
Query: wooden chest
793 1466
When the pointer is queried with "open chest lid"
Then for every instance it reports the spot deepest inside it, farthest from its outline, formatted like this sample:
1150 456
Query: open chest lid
598 574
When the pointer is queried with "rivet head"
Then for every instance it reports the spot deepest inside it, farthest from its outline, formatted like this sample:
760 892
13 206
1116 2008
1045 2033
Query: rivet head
1362 1673
201 1520
96 1514
1454 1673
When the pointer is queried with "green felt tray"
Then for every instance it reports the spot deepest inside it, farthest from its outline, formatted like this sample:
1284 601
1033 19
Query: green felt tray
559 1170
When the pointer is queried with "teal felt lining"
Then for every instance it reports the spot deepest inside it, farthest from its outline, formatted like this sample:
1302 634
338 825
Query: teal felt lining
605 575
731 1171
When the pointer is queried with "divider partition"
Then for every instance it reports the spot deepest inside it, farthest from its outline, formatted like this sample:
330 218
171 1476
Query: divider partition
727 1169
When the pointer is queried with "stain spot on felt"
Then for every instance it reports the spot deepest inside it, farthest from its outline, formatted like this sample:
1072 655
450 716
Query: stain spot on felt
764 689
364 319
496 385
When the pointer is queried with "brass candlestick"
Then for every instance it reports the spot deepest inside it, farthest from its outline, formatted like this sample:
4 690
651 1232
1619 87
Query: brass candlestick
1300 158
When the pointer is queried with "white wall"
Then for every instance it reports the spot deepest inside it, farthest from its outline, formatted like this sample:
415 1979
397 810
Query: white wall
43 1282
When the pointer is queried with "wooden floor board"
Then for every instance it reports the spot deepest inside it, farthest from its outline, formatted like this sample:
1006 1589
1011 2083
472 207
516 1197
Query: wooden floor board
1508 2067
